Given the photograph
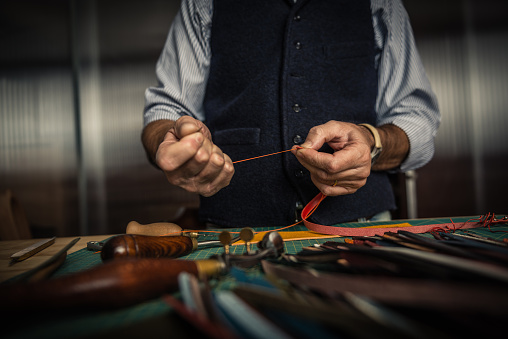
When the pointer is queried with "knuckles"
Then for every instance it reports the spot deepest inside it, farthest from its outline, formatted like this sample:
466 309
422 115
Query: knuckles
167 164
202 157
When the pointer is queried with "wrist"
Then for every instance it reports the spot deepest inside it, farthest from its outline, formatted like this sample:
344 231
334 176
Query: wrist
153 135
375 142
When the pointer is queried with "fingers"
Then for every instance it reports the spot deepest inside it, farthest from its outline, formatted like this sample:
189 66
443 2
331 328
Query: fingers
346 185
341 179
347 168
215 174
192 161
352 156
334 133
196 167
215 178
187 125
173 153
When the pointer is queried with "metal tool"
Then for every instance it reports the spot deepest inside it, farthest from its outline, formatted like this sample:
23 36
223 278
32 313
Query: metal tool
473 236
225 240
229 240
94 245
247 234
31 250
271 246
146 246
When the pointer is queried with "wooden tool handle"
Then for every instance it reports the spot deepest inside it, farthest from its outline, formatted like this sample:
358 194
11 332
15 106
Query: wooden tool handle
159 228
118 283
145 246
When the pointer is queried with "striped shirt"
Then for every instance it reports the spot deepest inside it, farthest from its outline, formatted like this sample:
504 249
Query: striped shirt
405 97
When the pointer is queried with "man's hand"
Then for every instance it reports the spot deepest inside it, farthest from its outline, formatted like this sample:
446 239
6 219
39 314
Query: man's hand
344 171
188 156
347 169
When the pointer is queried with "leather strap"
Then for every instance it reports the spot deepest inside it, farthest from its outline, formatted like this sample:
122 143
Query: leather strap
370 230
376 150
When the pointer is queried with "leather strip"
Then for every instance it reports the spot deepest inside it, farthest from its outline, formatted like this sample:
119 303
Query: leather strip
370 230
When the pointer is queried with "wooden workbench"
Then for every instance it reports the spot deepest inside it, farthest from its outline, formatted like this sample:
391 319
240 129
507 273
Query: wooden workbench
9 247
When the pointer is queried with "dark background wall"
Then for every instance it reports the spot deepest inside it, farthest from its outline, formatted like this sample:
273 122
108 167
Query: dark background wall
72 77
464 47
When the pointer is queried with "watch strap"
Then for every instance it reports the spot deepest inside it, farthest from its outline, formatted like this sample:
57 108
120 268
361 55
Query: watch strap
378 147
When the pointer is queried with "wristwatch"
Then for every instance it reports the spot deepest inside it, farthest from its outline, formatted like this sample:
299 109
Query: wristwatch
376 151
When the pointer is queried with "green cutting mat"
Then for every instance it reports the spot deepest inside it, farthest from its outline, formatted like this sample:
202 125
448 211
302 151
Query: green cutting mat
90 325
84 259
295 246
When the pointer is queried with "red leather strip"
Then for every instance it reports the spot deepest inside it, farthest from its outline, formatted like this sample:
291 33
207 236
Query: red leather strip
362 231
370 231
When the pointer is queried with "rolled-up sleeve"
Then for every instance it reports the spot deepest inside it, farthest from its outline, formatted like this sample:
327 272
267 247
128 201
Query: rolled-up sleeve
182 68
405 97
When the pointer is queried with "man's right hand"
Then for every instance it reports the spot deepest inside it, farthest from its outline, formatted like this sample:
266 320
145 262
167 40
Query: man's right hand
190 159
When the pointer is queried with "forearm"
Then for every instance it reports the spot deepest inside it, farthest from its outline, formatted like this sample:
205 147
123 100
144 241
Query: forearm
153 135
395 145
405 96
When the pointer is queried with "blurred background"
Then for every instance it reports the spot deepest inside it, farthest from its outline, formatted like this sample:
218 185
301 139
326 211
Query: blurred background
72 80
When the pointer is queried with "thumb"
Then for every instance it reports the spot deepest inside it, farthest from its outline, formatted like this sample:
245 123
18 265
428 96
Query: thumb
186 126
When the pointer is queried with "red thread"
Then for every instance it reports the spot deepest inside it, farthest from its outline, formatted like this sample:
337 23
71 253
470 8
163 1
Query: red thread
266 155
485 220
235 162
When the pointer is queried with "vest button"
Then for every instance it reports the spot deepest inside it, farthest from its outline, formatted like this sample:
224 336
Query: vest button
297 108
299 173
298 45
297 139
297 18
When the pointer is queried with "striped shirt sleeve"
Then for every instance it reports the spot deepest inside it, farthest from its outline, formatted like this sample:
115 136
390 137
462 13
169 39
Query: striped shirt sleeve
405 97
182 68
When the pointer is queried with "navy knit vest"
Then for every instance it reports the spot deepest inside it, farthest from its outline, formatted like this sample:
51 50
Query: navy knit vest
278 69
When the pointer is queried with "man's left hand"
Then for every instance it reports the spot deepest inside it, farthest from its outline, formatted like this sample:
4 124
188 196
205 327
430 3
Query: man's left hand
347 169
